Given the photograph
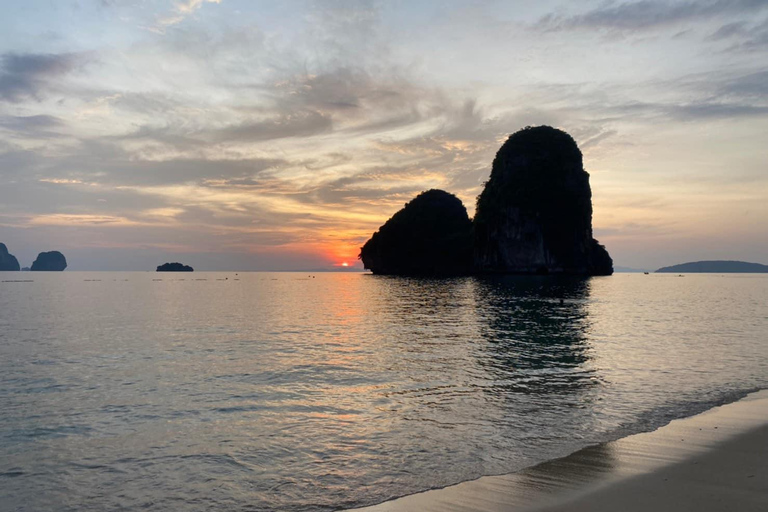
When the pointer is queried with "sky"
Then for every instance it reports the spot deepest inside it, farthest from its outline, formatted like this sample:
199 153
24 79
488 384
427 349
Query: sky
264 135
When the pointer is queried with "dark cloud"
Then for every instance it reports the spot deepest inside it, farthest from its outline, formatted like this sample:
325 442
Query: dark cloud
24 76
650 14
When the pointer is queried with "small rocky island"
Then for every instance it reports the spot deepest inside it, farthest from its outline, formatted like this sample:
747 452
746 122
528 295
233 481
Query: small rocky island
534 216
51 261
717 267
8 262
174 267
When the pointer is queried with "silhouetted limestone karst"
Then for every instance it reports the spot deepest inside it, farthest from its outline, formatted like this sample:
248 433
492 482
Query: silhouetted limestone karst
7 261
430 236
174 267
52 261
535 213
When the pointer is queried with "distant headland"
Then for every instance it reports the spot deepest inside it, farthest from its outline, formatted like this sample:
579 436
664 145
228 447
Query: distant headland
534 216
174 267
717 267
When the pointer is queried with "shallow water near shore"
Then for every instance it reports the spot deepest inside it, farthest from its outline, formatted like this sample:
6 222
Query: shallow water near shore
285 391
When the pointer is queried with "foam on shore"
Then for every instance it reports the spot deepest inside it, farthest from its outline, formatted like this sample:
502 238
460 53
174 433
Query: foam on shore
716 460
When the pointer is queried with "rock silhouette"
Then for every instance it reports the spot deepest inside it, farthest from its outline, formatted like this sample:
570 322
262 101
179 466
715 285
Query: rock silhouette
430 236
534 216
717 266
8 262
174 267
52 261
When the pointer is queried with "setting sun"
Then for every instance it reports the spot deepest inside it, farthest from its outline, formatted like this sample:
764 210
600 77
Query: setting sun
345 264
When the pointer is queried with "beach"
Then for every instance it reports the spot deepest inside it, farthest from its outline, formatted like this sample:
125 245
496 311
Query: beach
714 461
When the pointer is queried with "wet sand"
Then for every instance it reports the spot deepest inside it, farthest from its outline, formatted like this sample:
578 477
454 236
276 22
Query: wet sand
715 461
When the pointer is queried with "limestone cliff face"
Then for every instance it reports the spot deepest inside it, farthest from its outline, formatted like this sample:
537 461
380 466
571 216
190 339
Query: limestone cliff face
430 236
8 262
52 261
535 213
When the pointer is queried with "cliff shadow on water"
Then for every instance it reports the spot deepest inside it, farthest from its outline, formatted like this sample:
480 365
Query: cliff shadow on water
536 333
524 334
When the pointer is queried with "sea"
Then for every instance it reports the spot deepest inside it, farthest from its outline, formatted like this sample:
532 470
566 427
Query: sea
324 391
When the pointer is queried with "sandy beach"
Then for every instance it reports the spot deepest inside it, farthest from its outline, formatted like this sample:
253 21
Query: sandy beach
714 461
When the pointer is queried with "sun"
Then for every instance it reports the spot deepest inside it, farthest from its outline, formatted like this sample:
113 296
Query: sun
345 264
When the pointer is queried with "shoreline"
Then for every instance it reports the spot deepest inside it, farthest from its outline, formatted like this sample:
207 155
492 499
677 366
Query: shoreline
694 462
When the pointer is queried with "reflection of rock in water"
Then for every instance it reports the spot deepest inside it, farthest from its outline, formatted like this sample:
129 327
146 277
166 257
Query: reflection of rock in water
536 333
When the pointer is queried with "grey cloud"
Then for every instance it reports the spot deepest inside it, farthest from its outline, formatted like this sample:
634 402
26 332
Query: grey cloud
754 38
728 30
294 124
743 36
697 111
277 125
27 122
39 126
107 163
344 88
151 173
357 190
362 102
750 86
25 76
34 197
693 111
649 14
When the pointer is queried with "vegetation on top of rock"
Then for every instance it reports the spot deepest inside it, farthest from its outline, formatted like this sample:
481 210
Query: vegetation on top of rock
174 267
51 261
8 262
430 236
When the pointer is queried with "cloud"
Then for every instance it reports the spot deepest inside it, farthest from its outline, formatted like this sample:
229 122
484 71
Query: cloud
650 14
39 127
69 220
182 9
292 124
25 76
743 36
752 86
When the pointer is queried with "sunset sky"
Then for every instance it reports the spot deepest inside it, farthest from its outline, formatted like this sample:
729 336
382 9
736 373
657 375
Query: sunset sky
248 135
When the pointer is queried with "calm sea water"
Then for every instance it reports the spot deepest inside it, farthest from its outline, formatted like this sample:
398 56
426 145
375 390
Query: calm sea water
281 391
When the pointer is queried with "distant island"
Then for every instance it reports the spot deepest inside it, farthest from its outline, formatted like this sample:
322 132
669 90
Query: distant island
174 267
51 261
534 216
8 262
717 267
